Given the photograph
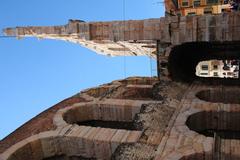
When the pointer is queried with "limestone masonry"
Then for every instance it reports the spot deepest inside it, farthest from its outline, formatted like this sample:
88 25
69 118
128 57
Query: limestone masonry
138 37
175 116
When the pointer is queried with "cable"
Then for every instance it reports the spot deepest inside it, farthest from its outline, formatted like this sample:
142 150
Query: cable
124 29
151 66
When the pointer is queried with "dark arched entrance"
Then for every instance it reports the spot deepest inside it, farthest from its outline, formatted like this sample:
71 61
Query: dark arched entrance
184 58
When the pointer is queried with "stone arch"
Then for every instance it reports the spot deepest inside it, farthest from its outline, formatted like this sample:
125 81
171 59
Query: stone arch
72 143
50 148
102 115
133 88
223 123
184 58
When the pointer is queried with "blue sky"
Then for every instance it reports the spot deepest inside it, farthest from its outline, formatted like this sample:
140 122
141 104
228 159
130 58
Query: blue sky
36 74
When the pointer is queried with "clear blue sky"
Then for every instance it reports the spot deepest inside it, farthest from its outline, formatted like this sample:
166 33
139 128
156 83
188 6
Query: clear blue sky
36 74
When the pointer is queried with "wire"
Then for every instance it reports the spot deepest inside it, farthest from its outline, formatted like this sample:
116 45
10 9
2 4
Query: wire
151 66
124 22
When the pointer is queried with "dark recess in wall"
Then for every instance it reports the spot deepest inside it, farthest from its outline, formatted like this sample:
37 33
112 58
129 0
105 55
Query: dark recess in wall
224 124
220 95
184 58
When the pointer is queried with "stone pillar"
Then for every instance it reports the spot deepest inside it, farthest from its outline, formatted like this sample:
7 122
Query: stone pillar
162 59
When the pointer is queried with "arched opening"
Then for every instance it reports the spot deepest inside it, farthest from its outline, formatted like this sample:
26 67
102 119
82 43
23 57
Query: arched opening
197 156
108 124
54 148
133 88
223 127
220 95
184 58
211 156
103 115
224 124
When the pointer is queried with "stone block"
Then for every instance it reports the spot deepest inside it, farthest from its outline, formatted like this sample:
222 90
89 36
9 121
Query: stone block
102 144
117 139
88 141
133 136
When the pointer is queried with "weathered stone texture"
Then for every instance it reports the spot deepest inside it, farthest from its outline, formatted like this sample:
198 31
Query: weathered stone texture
138 37
70 139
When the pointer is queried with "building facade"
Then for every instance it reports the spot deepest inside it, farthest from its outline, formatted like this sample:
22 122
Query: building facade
199 7
218 68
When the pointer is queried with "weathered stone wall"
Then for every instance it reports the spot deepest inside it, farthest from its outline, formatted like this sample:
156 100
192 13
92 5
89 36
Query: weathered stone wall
156 38
170 129
69 138
174 30
186 138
